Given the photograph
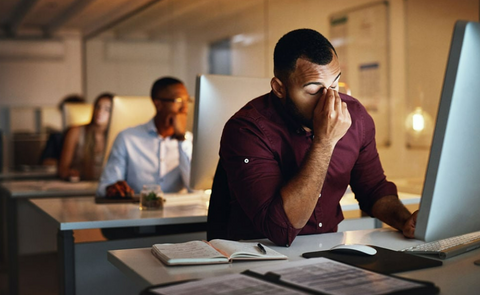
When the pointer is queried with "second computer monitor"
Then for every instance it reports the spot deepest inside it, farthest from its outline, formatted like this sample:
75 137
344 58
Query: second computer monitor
127 111
75 114
450 203
217 99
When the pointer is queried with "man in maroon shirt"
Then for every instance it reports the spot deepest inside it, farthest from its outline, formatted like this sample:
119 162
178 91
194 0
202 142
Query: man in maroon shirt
287 157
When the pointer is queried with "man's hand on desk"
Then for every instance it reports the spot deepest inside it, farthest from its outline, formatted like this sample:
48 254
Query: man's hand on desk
409 226
390 210
119 189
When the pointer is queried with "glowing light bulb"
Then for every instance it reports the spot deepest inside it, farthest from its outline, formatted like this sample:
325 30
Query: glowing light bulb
419 128
418 122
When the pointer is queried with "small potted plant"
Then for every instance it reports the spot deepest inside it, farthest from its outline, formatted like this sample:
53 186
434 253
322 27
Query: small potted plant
151 197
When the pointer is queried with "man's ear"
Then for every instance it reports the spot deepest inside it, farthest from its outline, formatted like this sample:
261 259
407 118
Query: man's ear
157 103
278 88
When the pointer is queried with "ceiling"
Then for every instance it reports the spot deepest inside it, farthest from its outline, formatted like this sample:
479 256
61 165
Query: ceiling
123 18
45 18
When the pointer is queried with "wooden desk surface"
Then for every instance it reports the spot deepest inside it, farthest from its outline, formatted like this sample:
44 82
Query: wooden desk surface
458 275
46 188
82 212
25 175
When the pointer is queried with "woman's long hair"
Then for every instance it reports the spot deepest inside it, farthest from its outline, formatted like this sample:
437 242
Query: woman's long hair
90 141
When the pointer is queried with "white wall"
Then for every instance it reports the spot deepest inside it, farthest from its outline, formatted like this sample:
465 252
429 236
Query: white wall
39 73
126 68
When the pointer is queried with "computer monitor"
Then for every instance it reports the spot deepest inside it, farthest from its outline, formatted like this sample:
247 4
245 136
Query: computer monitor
450 203
75 114
217 98
127 111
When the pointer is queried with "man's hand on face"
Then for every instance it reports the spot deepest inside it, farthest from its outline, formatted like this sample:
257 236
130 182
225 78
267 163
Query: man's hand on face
331 118
178 121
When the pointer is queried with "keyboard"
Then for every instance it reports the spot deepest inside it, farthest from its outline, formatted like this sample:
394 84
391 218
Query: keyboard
449 247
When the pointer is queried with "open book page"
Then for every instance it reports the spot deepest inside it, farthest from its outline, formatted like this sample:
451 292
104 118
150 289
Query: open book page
228 284
331 277
245 250
194 252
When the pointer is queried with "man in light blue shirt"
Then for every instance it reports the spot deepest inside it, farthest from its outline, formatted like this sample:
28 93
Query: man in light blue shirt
157 152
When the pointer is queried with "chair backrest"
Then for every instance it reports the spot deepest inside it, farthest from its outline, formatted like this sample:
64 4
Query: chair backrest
76 114
127 111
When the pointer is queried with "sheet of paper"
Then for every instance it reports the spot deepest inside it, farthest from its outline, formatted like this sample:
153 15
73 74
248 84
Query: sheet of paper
325 275
248 249
230 247
228 284
193 249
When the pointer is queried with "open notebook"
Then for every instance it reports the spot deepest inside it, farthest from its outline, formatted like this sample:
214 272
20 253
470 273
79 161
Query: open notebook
215 251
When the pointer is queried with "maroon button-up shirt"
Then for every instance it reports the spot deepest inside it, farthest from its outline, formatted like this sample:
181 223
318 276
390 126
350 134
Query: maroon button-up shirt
262 148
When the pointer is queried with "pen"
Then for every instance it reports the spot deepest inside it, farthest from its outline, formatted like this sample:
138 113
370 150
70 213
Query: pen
260 246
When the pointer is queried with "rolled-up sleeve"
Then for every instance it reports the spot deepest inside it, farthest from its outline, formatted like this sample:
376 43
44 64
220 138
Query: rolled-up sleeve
255 178
116 166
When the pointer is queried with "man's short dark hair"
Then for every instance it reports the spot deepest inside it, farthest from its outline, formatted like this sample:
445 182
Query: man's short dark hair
163 83
302 43
72 98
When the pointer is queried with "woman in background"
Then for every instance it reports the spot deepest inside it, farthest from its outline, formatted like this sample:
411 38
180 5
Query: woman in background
84 146
53 148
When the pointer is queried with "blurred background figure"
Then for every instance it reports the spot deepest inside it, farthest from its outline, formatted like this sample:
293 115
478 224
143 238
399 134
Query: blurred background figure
156 152
84 146
53 148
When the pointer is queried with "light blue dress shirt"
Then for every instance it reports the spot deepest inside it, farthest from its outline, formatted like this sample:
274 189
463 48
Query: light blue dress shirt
140 156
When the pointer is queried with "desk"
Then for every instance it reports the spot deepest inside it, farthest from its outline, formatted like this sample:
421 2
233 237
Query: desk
26 175
49 198
458 275
13 192
78 213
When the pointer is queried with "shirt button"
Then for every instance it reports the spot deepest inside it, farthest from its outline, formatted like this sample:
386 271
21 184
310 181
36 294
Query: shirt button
320 224
246 161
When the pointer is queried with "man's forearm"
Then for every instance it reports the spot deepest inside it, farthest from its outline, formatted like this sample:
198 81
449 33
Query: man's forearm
300 194
390 210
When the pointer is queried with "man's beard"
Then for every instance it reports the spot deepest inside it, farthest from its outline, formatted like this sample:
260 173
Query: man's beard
295 113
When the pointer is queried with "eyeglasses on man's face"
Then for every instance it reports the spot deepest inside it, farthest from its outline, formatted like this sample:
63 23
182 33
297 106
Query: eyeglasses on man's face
177 100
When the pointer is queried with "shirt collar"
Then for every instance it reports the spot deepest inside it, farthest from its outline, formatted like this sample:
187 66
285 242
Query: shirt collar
152 130
150 126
